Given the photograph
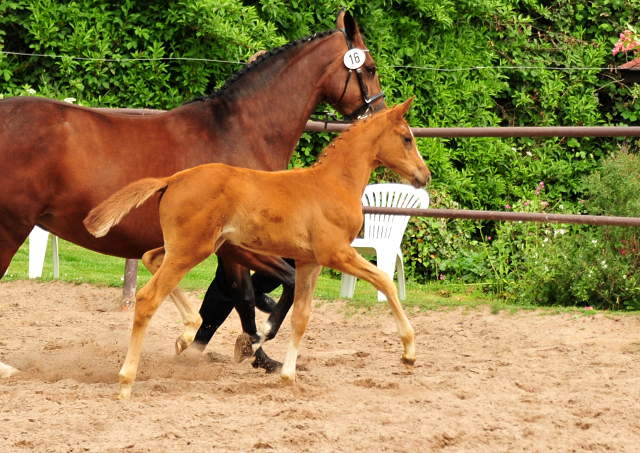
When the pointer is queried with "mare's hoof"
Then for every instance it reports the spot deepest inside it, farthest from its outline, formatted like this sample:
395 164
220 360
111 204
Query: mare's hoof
127 305
408 363
287 380
264 361
181 345
243 349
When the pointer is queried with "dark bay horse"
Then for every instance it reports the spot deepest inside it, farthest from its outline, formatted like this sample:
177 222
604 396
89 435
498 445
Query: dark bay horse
58 161
311 215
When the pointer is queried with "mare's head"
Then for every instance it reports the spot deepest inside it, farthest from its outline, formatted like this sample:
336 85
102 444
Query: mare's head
355 92
395 146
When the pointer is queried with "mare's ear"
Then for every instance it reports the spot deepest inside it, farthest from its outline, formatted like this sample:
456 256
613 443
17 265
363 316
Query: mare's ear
346 21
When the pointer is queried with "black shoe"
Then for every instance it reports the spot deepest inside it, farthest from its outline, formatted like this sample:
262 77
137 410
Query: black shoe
264 303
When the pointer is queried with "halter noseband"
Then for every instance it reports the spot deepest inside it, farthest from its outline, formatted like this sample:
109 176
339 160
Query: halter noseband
365 109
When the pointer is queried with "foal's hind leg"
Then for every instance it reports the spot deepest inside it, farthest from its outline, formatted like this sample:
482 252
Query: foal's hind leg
148 299
350 262
306 279
191 319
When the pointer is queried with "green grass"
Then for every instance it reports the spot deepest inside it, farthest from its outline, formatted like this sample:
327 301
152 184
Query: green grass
78 265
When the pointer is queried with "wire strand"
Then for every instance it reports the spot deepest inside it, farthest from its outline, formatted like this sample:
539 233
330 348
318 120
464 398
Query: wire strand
424 68
121 59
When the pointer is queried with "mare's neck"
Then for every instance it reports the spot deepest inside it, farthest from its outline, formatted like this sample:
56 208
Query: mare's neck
269 105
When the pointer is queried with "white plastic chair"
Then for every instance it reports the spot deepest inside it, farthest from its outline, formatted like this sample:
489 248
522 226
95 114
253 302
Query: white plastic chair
38 239
383 233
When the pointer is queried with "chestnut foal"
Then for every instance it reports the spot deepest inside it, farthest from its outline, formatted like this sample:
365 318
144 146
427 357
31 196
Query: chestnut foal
310 215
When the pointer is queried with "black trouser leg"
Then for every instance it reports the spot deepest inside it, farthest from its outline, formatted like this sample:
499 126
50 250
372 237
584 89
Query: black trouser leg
216 307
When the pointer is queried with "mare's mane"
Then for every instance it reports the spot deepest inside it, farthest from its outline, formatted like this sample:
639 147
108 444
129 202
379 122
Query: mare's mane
261 59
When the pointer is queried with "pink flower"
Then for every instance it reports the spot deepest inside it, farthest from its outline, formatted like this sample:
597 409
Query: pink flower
526 203
441 276
588 308
626 42
507 206
537 192
581 201
489 237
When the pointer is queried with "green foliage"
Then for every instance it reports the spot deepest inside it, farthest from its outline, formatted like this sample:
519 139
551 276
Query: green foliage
594 266
422 47
119 31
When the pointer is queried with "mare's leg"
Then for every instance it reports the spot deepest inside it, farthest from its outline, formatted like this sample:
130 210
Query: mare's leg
190 317
218 301
350 262
306 278
148 299
14 230
240 280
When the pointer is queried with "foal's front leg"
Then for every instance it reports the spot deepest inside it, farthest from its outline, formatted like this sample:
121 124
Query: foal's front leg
191 319
306 278
350 262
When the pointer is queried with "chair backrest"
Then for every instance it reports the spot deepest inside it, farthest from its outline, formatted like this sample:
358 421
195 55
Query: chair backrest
391 227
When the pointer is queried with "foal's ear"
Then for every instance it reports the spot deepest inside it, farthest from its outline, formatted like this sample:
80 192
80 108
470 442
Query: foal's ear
346 21
403 108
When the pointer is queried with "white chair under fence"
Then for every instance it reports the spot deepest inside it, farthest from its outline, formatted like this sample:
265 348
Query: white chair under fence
383 233
38 239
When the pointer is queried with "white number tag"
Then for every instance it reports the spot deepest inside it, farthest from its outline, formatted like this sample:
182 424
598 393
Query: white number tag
354 58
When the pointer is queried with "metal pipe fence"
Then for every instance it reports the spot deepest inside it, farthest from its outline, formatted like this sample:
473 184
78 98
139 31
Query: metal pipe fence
451 132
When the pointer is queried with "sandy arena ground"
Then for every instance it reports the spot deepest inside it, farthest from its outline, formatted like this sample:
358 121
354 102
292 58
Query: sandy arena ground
483 382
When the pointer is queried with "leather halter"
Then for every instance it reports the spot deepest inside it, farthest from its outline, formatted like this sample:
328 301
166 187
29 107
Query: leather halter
366 108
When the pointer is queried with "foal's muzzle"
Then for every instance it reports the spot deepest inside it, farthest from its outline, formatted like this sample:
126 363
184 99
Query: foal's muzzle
421 177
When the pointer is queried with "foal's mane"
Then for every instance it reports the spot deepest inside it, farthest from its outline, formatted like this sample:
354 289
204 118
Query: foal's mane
261 59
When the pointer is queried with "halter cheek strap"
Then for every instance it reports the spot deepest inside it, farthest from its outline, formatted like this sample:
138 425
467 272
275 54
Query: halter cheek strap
365 108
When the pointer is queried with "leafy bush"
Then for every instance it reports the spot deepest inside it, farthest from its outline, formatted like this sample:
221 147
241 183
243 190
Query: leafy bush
596 266
422 47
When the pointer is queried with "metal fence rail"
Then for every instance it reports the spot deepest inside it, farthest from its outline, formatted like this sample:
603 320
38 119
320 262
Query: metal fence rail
449 132
507 216
551 131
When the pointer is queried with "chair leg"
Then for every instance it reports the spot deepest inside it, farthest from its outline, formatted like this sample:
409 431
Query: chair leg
56 258
387 263
402 293
37 249
347 286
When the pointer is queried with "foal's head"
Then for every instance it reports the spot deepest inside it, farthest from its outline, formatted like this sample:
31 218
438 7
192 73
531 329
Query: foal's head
397 147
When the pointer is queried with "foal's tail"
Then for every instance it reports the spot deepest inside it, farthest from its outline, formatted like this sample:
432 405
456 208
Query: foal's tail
109 213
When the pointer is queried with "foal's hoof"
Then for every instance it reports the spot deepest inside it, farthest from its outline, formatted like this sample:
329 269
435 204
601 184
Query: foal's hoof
181 345
243 349
287 380
264 361
408 363
7 371
124 394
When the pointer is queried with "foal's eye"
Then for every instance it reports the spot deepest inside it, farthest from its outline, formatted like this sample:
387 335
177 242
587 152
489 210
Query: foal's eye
406 140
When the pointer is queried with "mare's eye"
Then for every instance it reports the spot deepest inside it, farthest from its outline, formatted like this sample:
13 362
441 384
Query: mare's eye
371 70
407 140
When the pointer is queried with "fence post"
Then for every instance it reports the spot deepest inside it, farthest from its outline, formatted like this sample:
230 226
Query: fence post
130 282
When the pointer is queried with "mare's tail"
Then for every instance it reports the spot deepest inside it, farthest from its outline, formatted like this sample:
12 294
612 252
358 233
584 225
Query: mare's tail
109 213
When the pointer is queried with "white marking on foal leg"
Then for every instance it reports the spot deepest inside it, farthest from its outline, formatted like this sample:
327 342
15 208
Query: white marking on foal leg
288 374
7 371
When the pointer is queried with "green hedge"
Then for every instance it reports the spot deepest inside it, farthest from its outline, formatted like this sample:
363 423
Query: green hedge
405 37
